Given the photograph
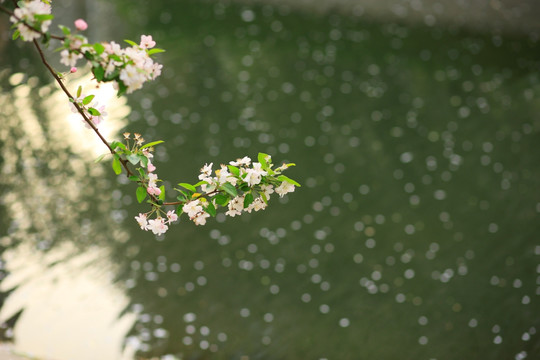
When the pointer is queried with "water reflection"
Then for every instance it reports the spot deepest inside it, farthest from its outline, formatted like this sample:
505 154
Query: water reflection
55 263
418 148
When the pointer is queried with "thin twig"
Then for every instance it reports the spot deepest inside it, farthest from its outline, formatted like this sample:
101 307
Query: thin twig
78 107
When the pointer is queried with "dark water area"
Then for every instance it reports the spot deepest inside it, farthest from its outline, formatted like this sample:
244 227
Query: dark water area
415 233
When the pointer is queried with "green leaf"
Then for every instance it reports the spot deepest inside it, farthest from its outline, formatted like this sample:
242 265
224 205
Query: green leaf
131 43
133 158
222 199
229 189
99 72
117 165
99 48
248 199
263 196
93 111
15 35
133 178
188 186
262 159
115 57
162 195
100 157
151 144
211 209
65 29
234 170
202 182
116 144
43 17
141 172
184 197
88 99
141 194
290 181
79 91
122 88
154 51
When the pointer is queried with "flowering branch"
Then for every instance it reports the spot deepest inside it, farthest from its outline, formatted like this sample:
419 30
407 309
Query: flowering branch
241 186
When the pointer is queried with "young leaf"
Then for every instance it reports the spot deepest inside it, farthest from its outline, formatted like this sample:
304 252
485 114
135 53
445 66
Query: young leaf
93 111
65 30
98 71
222 199
229 189
15 35
263 196
262 159
151 144
211 209
162 194
99 48
88 99
116 144
133 158
154 51
100 157
79 91
116 165
248 199
131 43
202 182
43 17
141 194
188 186
290 181
134 178
234 170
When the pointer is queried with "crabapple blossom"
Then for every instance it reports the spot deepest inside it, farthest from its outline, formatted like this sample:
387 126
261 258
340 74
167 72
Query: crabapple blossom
69 58
192 208
245 161
157 226
284 188
200 218
255 174
80 25
171 215
141 219
147 42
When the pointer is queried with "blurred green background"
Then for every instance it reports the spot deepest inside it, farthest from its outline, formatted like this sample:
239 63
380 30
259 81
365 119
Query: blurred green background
415 233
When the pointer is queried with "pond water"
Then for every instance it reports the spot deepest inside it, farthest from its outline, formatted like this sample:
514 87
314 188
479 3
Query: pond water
414 235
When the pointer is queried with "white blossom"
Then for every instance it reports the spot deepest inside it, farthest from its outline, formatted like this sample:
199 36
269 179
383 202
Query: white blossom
284 188
192 208
200 218
245 161
157 226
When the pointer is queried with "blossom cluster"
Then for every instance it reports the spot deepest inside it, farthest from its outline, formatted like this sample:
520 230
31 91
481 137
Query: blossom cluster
241 186
31 18
128 68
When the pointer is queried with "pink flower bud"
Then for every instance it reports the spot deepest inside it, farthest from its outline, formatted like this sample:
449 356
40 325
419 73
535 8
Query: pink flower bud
81 25
73 70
